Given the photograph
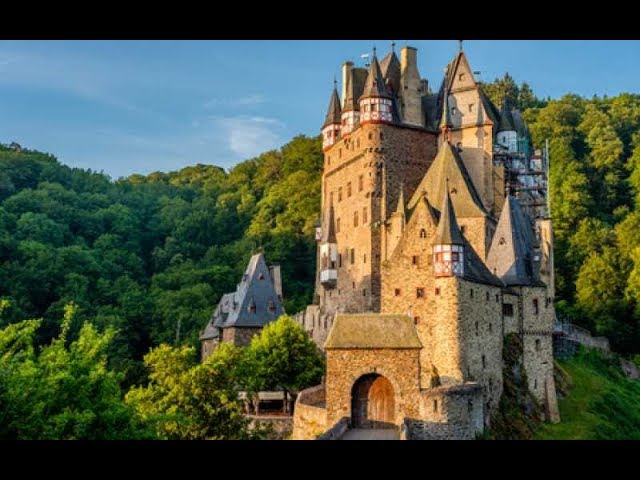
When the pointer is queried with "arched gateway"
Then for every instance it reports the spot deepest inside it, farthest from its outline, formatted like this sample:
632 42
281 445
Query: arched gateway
372 402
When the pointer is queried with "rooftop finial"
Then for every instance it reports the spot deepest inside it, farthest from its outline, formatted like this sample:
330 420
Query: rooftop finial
393 46
460 45
335 82
374 50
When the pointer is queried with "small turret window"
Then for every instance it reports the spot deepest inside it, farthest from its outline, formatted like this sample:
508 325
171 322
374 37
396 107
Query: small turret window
364 216
355 219
416 320
360 183
484 362
419 292
364 258
435 406
502 241
348 189
397 292
414 260
437 292
337 225
535 306
471 107
339 194
423 233
353 256
339 260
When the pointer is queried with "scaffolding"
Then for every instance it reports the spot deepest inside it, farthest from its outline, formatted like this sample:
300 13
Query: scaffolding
526 178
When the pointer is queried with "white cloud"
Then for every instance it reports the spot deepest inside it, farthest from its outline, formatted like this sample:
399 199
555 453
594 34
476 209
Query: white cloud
254 99
250 136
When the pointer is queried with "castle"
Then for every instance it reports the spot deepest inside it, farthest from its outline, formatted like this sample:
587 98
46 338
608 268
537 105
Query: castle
435 243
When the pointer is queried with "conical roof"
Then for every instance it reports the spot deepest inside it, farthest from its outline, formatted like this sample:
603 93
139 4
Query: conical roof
506 119
448 232
333 113
375 86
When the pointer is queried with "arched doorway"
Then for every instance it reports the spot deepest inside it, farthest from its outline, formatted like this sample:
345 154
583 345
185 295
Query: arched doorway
372 402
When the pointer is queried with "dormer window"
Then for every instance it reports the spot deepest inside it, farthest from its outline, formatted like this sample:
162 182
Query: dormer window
272 306
461 77
423 233
502 241
261 276
252 308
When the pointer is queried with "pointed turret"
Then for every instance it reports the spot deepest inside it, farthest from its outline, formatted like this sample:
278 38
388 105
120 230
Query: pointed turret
448 244
331 127
350 107
507 134
514 255
391 72
329 252
400 207
376 102
445 119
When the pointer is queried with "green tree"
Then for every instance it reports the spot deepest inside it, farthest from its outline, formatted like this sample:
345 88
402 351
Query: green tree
186 400
284 357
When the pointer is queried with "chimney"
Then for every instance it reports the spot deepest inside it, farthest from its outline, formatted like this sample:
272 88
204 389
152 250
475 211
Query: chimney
411 87
346 69
274 273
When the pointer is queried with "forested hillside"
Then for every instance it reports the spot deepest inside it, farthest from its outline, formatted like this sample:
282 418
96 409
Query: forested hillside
150 255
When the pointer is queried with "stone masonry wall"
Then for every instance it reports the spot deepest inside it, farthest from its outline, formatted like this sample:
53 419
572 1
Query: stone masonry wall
239 336
345 367
482 338
449 413
377 158
207 347
309 414
537 339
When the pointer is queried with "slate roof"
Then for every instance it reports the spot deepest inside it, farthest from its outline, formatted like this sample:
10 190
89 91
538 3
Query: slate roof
333 113
512 250
354 85
506 120
390 68
375 86
449 165
329 229
448 231
255 289
370 330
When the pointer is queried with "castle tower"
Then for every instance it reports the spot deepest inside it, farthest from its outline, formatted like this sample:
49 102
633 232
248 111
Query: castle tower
506 133
376 103
448 244
411 88
331 127
350 109
329 253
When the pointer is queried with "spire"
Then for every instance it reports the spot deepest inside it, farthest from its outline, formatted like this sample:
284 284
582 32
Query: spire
334 112
375 86
445 120
400 208
506 119
393 46
448 232
329 230
460 45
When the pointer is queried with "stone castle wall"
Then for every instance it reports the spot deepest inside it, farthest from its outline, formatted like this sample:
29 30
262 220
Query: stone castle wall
345 367
239 336
362 175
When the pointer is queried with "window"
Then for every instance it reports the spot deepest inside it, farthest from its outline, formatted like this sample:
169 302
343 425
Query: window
497 298
414 260
397 292
487 296
272 306
461 76
337 225
455 256
537 344
348 189
507 309
471 107
484 362
381 135
353 284
437 291
419 292
364 216
355 219
331 198
360 183
353 256
339 153
535 383
261 276
471 293
435 406
339 194
477 329
423 233
416 320
370 135
470 405
490 328
252 308
535 306
339 260
463 229
502 241
364 292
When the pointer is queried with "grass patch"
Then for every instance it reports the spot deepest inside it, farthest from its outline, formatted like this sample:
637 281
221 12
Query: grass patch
601 403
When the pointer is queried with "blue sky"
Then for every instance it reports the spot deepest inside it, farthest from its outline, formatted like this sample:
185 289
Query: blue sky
126 107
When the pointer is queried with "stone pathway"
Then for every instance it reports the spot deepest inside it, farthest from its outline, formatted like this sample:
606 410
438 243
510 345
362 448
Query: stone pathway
371 434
